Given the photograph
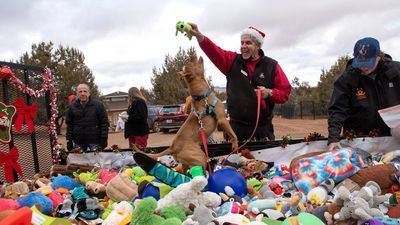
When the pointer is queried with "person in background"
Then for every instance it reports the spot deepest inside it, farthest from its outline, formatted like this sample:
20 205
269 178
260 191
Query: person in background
87 122
136 126
245 73
370 82
120 124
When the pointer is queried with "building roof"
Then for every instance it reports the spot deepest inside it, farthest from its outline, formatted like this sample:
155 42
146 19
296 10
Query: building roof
116 94
116 105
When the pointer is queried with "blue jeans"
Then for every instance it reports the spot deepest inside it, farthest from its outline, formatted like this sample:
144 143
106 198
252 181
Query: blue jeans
86 147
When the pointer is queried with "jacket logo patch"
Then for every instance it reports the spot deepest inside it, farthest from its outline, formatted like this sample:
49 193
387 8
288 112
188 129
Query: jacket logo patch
360 94
244 73
262 76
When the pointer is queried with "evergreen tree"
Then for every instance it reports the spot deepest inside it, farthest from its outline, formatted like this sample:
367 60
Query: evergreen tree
323 91
68 68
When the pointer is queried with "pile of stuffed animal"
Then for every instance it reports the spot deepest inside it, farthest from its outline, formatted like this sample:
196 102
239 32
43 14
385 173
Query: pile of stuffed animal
346 186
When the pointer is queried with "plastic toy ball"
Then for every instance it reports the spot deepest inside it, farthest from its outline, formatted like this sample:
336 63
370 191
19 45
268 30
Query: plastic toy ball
227 177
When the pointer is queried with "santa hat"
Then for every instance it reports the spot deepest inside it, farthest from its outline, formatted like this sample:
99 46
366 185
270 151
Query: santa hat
255 33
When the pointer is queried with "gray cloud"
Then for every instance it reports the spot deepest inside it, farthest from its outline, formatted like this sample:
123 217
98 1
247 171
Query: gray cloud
123 40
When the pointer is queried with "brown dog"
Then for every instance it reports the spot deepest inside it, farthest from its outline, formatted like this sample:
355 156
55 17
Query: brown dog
186 145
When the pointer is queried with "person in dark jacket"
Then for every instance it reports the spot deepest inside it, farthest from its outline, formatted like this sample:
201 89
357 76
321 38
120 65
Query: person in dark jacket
87 122
370 82
245 73
136 127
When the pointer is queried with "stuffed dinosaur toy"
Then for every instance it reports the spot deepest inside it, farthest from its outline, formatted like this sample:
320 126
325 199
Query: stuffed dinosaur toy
144 214
184 28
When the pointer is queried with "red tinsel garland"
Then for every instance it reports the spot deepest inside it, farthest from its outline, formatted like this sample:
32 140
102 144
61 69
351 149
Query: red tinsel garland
47 85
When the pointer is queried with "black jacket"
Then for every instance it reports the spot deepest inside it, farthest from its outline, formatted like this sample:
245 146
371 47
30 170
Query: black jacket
87 124
356 99
241 97
137 122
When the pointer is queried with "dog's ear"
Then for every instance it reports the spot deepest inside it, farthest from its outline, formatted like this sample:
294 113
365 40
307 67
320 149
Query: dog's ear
201 61
193 57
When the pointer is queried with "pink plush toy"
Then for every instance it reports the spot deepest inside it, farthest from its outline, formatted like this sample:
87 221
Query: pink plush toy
8 204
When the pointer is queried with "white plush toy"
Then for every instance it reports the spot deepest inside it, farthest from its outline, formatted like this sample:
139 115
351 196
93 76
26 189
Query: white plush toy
188 193
319 195
122 214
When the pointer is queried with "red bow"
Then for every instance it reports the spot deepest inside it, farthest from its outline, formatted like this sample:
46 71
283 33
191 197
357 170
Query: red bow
10 161
25 113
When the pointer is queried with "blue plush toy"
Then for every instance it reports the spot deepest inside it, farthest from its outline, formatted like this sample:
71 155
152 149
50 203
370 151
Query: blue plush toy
64 182
34 198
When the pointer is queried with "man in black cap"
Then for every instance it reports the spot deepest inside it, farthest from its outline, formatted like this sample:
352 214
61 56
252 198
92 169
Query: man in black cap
370 82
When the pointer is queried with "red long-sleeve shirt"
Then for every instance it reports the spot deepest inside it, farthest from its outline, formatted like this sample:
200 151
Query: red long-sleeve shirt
223 60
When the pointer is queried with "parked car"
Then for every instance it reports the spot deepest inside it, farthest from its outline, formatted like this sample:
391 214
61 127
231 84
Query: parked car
170 117
152 113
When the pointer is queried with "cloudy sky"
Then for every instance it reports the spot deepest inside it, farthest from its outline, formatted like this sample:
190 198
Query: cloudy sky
123 40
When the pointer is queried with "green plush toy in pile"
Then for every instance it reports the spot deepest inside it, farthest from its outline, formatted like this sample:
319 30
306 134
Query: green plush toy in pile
144 214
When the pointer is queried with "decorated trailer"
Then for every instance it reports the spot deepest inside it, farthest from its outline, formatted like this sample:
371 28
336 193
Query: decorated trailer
28 112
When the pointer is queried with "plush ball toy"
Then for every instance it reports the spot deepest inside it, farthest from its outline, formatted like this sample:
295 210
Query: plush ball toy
36 198
227 177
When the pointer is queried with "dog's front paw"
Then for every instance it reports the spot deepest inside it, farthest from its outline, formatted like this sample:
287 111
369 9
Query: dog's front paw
234 144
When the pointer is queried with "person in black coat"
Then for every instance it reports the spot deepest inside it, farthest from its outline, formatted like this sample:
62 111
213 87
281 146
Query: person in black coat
136 126
87 122
370 82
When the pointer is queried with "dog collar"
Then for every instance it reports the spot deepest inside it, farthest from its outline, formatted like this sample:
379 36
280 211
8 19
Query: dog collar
200 97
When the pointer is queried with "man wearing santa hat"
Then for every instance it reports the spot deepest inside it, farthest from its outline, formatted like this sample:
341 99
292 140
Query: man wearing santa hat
245 73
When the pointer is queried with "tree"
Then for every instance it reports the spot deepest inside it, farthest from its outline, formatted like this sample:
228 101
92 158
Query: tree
68 68
168 88
323 91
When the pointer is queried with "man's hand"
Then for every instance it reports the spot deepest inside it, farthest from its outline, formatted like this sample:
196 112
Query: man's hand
265 92
70 145
334 145
195 32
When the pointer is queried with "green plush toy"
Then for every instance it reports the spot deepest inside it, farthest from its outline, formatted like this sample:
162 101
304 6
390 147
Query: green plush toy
184 28
144 214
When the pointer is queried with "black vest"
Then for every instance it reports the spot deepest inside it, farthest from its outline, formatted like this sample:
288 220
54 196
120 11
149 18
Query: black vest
241 97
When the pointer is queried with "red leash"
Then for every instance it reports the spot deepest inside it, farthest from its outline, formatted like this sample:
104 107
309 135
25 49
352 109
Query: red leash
255 128
204 138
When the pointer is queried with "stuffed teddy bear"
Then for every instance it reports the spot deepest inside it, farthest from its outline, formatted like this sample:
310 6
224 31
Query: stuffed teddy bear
15 190
191 192
144 214
355 205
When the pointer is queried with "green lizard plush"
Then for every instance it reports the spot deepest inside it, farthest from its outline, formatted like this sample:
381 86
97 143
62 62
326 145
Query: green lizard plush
184 28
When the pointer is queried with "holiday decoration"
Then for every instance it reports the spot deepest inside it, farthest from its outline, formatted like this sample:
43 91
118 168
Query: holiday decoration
47 85
286 140
5 73
25 113
7 113
10 161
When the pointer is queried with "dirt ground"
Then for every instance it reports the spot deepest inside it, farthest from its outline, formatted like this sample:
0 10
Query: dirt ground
298 128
